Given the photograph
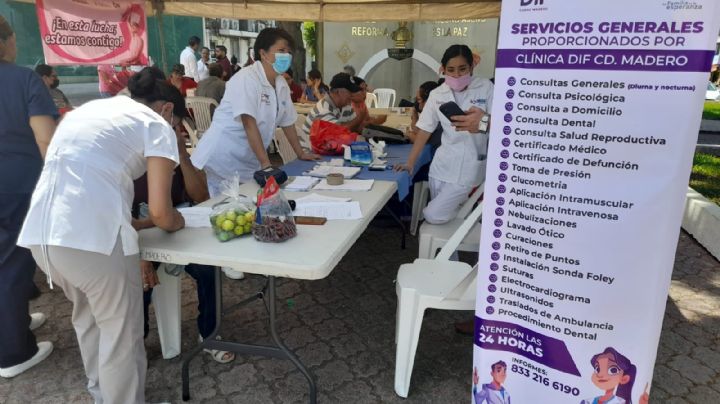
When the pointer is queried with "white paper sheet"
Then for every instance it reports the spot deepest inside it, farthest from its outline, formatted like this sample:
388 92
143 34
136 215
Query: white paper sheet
313 197
330 210
322 171
348 185
301 183
196 216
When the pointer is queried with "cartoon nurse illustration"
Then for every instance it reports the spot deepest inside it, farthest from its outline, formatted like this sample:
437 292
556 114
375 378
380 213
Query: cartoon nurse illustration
493 392
615 375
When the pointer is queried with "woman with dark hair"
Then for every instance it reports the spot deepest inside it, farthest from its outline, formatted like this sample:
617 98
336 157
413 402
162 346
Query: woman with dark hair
459 163
256 101
421 97
316 88
27 122
79 226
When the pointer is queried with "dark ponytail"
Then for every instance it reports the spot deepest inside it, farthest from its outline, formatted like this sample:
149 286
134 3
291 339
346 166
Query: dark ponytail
455 51
149 85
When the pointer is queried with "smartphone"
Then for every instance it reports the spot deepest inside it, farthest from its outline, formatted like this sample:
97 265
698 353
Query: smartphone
450 109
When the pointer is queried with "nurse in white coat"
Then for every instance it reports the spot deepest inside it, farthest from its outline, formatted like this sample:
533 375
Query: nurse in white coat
459 163
257 100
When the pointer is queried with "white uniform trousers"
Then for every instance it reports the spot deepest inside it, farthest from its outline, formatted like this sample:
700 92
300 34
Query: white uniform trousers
445 201
107 296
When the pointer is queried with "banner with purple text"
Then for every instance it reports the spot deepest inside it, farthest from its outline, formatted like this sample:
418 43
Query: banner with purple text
593 129
78 32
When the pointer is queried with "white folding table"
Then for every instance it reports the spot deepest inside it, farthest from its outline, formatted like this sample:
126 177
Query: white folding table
312 254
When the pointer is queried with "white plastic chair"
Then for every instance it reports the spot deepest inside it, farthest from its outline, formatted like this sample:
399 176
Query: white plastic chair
430 283
302 136
421 192
283 146
192 132
166 302
371 100
202 111
385 97
434 236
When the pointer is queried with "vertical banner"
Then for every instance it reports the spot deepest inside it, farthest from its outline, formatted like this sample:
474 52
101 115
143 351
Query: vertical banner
596 115
79 32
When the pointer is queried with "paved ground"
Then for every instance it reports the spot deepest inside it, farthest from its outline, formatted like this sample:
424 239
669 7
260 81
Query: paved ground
342 327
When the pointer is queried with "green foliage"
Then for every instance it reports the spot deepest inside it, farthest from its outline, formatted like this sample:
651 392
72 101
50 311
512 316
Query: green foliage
310 37
705 176
711 110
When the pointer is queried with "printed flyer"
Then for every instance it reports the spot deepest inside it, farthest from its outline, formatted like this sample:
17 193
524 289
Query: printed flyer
78 32
596 115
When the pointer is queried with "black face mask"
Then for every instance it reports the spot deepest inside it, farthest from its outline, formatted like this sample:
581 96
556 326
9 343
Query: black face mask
55 83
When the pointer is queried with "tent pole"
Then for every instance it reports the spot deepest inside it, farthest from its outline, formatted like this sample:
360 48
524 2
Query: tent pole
158 5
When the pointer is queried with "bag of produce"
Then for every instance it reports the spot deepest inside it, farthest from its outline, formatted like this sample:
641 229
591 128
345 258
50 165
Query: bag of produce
273 220
234 215
328 138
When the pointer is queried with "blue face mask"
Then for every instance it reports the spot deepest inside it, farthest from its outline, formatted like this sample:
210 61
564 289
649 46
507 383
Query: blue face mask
282 62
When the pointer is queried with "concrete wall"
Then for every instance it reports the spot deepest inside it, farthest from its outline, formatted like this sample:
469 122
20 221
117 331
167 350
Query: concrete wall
355 43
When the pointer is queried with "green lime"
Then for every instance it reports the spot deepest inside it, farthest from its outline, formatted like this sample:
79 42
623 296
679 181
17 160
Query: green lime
250 216
228 225
219 220
224 236
239 230
240 221
230 215
248 227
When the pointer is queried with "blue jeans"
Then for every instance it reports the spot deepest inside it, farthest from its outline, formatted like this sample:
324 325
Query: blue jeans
204 276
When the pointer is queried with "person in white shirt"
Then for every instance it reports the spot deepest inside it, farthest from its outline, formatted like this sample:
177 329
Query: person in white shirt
203 63
257 100
459 163
79 225
189 60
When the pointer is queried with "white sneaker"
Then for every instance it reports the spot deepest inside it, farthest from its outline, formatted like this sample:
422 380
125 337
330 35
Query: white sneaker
233 274
37 320
45 348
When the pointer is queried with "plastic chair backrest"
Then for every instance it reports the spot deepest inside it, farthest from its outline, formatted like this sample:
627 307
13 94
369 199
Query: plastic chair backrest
202 111
385 97
371 100
283 146
468 205
188 125
462 231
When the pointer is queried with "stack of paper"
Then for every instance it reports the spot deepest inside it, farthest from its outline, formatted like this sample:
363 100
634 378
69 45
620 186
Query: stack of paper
328 207
348 185
302 183
322 171
197 216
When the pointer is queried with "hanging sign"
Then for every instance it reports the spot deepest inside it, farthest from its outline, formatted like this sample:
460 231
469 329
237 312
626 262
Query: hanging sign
77 32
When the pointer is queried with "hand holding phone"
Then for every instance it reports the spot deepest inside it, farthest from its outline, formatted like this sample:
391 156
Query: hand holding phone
450 109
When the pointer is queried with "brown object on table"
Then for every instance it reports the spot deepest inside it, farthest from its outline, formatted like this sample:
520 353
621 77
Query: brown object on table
274 230
310 220
335 179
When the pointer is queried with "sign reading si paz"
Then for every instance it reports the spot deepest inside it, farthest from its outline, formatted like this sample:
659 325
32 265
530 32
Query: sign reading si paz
589 159
76 32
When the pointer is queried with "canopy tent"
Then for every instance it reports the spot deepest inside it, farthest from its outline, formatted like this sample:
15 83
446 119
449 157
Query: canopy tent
334 10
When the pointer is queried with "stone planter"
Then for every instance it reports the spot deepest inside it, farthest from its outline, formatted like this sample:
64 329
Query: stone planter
702 220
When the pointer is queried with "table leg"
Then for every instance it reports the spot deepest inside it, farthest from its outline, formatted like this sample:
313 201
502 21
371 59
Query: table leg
399 222
278 350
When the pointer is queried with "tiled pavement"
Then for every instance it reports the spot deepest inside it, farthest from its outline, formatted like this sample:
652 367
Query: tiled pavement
342 328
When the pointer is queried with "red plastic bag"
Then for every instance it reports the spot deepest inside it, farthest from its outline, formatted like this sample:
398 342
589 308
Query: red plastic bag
328 138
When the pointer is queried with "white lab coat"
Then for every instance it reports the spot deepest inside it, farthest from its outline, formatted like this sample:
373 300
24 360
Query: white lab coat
188 59
84 196
224 148
462 156
203 71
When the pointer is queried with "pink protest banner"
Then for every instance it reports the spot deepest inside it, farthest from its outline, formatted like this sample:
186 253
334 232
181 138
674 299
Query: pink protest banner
76 32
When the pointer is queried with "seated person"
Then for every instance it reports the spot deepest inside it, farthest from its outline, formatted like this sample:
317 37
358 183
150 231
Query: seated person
360 107
421 97
296 92
315 89
189 186
335 105
50 78
213 86
178 79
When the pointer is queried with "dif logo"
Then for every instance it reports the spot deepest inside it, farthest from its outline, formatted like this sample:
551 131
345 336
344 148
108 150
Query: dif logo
524 3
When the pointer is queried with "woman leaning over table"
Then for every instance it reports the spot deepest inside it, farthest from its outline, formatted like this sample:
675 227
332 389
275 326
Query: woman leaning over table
79 225
27 122
256 101
459 163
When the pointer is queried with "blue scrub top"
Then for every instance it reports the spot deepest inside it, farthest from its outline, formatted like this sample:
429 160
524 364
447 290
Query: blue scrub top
24 95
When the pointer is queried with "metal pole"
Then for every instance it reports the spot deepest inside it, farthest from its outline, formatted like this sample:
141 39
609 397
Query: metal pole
159 6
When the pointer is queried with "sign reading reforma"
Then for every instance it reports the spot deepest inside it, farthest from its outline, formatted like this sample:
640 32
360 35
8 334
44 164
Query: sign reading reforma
589 159
76 32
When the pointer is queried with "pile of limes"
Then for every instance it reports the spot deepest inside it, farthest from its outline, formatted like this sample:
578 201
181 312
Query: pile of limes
232 223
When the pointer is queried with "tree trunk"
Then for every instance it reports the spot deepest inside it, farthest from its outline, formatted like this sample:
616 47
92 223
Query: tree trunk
298 63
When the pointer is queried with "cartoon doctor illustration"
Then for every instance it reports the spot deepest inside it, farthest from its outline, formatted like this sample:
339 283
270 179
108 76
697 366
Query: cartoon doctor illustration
615 375
493 392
